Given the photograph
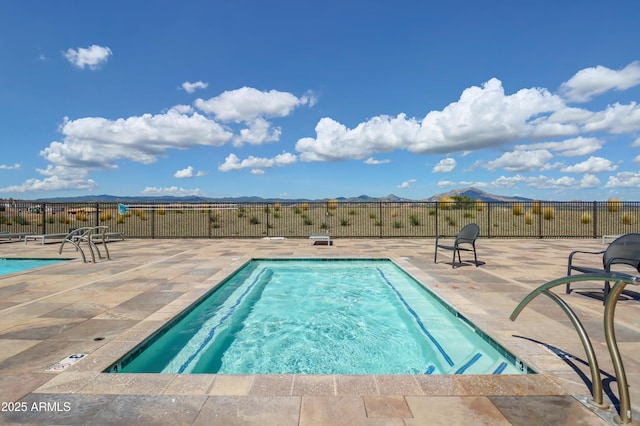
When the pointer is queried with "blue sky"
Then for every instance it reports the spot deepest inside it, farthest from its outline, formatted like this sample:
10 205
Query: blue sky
320 99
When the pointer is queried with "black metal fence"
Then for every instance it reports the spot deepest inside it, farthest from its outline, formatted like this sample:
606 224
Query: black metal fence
341 219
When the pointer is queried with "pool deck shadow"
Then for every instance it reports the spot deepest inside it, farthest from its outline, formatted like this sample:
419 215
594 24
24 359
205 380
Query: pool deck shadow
103 310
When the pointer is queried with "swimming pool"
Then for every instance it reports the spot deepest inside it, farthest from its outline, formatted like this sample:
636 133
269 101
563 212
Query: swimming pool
11 265
315 316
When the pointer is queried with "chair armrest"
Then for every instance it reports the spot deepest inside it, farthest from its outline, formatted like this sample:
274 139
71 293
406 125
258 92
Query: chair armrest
570 259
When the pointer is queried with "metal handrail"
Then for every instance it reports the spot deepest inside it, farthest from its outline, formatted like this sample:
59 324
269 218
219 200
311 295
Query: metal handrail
621 281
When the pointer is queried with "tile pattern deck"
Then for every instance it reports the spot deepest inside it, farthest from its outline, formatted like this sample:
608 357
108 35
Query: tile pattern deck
107 308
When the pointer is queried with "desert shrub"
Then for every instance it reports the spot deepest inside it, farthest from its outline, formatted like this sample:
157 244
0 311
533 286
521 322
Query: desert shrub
585 219
120 219
528 219
517 209
276 207
627 219
613 205
332 204
297 210
304 206
414 219
324 225
372 216
51 219
450 221
344 222
306 221
161 212
397 224
548 213
352 212
479 205
536 207
21 220
446 203
242 212
83 217
64 220
105 216
467 215
254 220
277 215
432 212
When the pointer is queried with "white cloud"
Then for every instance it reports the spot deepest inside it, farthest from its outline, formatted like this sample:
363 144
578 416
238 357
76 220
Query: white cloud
97 143
615 119
636 142
407 184
589 82
445 165
374 162
624 180
519 161
233 163
247 103
16 166
589 181
258 132
192 87
568 148
184 173
170 190
483 117
57 178
591 165
91 57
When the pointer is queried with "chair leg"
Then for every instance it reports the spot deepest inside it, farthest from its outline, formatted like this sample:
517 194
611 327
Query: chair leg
435 257
475 256
607 288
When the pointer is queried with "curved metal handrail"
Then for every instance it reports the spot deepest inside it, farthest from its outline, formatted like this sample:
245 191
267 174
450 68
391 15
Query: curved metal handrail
621 280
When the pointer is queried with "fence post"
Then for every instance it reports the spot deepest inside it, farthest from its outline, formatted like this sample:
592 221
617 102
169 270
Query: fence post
488 220
96 223
44 218
437 214
153 223
267 209
595 219
380 211
540 214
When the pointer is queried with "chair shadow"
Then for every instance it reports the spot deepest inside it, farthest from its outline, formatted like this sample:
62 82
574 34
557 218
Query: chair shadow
607 379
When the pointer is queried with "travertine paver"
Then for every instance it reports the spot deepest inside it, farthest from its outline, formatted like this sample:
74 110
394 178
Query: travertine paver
103 310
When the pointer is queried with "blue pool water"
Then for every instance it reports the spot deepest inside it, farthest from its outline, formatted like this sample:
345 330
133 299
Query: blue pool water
320 317
9 266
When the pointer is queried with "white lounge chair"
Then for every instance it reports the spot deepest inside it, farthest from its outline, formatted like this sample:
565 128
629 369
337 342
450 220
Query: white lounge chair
12 235
320 237
44 237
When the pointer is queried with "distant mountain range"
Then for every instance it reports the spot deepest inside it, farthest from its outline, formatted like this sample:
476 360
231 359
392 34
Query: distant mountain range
471 192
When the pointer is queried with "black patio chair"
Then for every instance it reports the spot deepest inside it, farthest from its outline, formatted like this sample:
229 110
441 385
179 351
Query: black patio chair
623 250
467 235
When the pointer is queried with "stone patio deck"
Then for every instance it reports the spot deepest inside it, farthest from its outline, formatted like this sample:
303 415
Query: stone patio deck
105 309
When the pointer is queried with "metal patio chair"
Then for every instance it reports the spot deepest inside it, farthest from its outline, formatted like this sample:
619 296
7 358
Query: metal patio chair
467 235
623 250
